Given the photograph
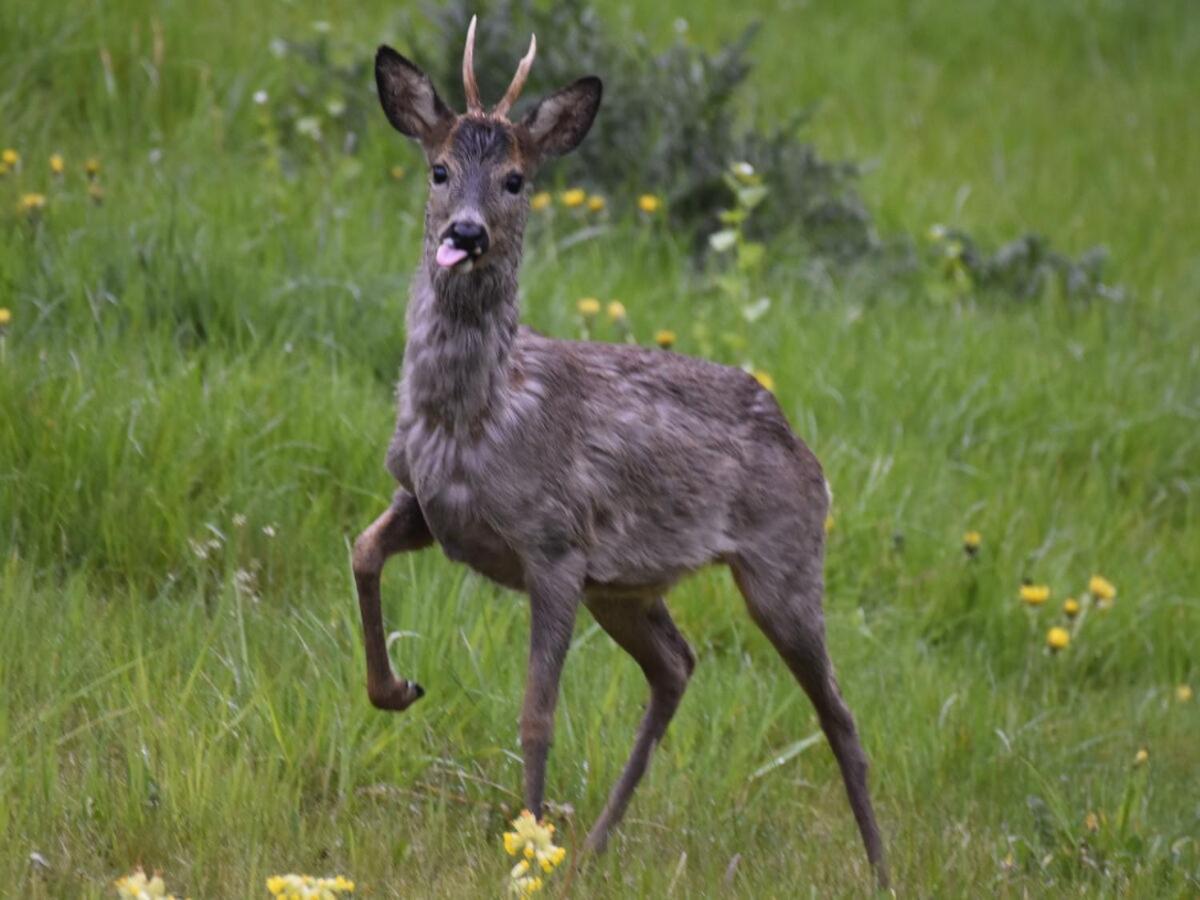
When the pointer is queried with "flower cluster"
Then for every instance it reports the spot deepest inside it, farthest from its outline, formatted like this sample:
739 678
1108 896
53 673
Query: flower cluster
533 842
306 887
577 198
138 886
32 204
1100 594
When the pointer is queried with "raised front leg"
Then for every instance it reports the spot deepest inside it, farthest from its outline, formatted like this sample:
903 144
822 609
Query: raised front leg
402 527
554 593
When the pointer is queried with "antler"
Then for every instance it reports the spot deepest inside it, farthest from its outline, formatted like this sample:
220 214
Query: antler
470 88
518 82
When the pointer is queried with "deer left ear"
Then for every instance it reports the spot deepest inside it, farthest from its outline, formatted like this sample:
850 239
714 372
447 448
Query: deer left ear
410 101
559 122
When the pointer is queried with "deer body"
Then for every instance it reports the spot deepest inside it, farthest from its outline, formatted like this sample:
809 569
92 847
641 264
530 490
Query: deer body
576 472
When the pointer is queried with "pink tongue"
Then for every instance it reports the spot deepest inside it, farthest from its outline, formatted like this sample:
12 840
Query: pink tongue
449 255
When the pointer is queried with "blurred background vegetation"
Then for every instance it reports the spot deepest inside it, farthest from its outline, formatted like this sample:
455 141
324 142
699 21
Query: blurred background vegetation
955 238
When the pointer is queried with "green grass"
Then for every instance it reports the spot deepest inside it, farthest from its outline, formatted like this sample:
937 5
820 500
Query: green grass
209 345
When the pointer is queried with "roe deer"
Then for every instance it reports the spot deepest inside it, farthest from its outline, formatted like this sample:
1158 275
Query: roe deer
581 472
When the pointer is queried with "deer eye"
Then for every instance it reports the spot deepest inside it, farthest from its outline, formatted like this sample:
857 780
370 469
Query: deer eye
514 182
440 174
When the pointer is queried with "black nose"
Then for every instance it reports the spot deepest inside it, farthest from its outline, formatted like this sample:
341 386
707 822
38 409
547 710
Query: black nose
469 236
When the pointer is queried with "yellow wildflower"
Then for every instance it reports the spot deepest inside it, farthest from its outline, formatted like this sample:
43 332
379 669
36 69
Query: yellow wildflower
616 310
574 197
1091 822
595 203
1102 589
588 307
540 201
11 158
534 841
1058 638
765 379
649 204
57 166
397 173
1141 757
1070 607
1183 693
1035 594
92 167
665 338
5 316
32 204
138 887
307 886
971 541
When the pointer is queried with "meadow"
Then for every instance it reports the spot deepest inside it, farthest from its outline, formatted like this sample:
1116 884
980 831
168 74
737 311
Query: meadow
196 379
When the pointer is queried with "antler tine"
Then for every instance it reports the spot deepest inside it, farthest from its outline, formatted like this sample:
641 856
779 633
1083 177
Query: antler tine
518 82
470 88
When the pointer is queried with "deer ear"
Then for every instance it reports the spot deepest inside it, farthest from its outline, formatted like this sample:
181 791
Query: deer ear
559 122
409 99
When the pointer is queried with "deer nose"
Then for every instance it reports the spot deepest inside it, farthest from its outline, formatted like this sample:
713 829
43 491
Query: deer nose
469 236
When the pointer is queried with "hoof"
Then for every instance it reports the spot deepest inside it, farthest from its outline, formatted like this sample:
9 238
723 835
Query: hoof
397 696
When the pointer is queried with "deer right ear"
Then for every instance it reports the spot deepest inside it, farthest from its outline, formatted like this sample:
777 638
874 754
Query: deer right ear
409 99
559 122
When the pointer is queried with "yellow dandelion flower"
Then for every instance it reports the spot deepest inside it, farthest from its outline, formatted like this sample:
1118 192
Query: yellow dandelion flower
1091 822
616 310
397 173
11 158
1141 757
32 204
1101 588
57 166
540 201
5 316
665 338
1070 607
649 204
1183 693
306 886
92 167
595 203
574 197
765 379
1034 594
1058 638
971 541
588 307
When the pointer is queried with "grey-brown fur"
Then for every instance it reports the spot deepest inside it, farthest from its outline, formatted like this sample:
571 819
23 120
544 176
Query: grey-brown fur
580 472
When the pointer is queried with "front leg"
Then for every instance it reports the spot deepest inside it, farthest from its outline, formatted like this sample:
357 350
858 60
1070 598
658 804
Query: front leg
555 589
402 527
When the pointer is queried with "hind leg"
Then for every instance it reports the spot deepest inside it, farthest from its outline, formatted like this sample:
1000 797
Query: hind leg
784 599
648 634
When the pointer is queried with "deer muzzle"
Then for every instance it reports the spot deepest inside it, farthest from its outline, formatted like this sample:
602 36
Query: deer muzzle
463 240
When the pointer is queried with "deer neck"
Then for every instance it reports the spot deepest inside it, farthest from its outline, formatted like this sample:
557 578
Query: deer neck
461 329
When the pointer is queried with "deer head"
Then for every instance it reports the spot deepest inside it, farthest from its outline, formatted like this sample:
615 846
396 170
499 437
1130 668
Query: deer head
481 165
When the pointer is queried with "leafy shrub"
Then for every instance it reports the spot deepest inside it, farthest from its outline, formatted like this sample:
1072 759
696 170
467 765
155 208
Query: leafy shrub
672 121
672 124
